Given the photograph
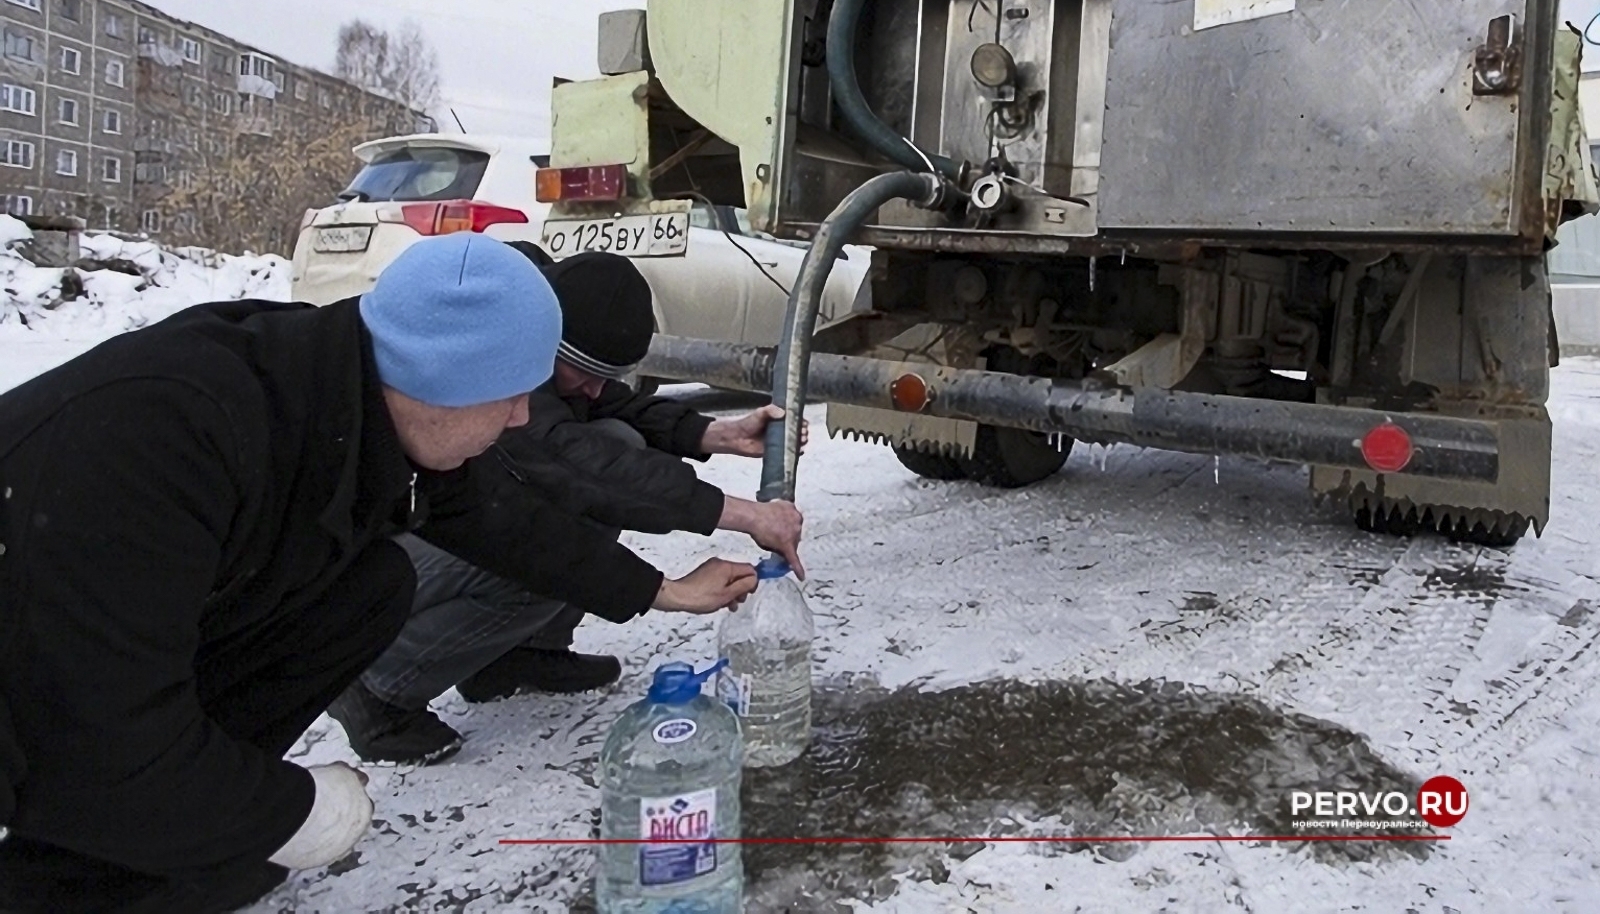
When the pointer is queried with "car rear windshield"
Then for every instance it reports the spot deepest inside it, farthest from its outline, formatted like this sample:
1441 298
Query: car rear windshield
419 173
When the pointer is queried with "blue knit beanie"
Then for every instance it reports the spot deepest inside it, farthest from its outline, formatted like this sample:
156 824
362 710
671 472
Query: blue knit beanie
461 320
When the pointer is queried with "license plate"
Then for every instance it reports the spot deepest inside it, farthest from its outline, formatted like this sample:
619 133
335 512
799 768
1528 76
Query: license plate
630 236
345 240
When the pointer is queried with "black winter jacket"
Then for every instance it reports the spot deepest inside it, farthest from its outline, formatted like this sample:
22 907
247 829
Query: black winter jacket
164 492
601 477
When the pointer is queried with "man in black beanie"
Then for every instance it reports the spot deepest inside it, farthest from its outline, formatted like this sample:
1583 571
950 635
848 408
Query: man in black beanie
594 448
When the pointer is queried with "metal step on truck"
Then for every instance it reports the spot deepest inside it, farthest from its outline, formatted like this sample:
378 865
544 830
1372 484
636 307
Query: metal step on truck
1298 230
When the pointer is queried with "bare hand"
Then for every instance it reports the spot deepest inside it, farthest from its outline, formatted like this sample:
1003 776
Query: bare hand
777 526
747 435
717 584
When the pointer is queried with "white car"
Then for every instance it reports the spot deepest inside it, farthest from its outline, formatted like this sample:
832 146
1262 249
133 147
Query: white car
727 284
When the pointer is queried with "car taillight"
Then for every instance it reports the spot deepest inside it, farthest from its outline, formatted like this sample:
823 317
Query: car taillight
450 216
582 184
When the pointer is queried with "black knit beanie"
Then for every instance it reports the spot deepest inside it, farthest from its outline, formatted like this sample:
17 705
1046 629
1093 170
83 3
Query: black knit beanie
607 317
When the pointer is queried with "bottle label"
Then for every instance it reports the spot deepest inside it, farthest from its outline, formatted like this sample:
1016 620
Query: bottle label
734 690
669 732
689 817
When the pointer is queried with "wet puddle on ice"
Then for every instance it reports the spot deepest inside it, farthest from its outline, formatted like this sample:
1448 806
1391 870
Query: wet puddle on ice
1054 759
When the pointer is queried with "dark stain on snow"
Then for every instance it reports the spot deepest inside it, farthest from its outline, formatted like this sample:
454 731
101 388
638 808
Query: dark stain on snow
1058 759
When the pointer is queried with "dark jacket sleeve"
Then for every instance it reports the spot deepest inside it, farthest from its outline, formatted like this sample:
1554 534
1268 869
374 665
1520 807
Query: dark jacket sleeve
605 479
666 425
482 515
121 505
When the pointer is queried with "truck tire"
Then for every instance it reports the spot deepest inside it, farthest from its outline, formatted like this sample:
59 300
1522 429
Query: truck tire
1010 458
930 466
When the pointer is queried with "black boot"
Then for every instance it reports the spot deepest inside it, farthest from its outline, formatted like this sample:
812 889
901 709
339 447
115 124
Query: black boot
527 669
381 732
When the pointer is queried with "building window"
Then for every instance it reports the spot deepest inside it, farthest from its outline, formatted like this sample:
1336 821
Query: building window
113 25
72 10
18 100
256 65
193 95
113 122
30 4
221 61
302 90
19 154
115 72
191 49
325 98
222 103
111 170
67 112
71 61
151 221
67 163
19 46
147 35
18 204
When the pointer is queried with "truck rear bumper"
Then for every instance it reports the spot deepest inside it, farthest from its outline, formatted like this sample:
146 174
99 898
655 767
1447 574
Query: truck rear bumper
1336 437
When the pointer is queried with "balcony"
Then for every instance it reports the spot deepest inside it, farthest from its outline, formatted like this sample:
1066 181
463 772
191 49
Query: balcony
253 124
259 86
146 145
165 55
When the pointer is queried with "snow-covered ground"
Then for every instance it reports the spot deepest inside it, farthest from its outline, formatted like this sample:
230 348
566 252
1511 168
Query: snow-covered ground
38 329
1150 643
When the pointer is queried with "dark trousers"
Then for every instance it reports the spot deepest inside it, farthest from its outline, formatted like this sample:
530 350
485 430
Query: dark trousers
265 687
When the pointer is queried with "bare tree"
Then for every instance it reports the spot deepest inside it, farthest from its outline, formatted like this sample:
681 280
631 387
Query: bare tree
401 65
363 54
413 78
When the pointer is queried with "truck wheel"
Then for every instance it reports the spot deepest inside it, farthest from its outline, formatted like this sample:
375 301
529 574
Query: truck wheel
930 466
1010 458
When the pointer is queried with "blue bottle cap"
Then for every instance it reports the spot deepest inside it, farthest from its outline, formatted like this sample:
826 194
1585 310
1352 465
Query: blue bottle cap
771 568
678 683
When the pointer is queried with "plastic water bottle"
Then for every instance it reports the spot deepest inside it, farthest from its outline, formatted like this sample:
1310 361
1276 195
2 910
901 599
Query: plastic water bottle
767 645
669 771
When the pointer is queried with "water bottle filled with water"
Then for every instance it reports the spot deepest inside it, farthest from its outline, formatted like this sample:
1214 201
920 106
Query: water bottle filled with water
670 771
767 645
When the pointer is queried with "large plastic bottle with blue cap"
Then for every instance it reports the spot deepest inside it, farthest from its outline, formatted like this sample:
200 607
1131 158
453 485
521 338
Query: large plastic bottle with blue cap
669 772
767 645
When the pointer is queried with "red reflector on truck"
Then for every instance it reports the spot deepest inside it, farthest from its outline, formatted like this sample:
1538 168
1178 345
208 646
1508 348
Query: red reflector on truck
1387 448
582 184
451 216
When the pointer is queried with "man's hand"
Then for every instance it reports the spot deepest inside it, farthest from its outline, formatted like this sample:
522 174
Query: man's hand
717 584
747 435
775 526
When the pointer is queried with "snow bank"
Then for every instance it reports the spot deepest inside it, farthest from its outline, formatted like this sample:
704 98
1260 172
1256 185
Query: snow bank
98 300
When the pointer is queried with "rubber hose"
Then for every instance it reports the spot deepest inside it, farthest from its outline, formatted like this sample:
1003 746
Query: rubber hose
853 105
782 457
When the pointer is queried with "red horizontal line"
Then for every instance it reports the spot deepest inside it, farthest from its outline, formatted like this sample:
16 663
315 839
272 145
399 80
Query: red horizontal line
1115 839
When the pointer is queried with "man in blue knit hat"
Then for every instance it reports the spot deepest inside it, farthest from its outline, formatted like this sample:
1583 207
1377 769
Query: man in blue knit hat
196 557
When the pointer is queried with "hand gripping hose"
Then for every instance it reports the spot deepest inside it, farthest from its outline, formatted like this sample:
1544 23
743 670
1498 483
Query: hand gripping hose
779 466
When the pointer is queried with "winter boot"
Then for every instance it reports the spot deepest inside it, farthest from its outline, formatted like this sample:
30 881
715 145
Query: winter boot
526 669
381 732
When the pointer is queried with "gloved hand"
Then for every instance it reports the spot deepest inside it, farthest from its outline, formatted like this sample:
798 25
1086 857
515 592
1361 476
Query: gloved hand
340 816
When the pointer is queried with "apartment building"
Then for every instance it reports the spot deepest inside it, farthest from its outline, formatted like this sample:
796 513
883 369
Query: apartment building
107 107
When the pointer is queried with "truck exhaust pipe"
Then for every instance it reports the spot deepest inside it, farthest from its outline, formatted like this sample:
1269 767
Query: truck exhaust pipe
1413 444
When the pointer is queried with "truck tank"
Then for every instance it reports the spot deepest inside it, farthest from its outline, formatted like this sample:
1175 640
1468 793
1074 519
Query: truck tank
1302 231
